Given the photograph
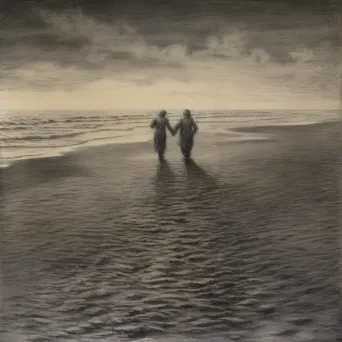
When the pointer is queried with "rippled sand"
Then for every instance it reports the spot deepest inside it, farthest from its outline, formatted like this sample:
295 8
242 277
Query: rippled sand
241 244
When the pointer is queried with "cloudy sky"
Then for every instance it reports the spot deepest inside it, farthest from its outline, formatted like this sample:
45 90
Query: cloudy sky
199 54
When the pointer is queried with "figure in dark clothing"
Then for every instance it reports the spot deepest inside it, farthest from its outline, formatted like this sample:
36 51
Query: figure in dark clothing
160 124
187 129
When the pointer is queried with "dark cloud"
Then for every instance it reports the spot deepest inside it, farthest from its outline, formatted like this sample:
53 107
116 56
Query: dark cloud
191 17
218 6
184 8
276 31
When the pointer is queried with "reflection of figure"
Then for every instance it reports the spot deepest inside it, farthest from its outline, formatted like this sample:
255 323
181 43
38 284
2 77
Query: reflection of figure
160 124
164 177
187 129
198 178
165 186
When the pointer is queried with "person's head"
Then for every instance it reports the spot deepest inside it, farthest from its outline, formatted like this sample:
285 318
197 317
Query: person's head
187 113
162 113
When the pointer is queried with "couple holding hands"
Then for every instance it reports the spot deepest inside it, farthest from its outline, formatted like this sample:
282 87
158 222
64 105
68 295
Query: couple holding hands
186 126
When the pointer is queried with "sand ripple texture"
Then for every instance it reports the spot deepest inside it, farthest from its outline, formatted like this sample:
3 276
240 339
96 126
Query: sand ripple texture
243 251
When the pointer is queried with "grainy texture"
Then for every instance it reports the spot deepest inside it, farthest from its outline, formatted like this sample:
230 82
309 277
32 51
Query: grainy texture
241 244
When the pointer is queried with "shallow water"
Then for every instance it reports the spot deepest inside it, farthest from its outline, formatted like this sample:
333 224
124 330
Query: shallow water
37 134
240 245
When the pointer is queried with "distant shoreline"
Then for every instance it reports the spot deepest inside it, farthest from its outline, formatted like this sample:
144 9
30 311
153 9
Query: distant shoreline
180 110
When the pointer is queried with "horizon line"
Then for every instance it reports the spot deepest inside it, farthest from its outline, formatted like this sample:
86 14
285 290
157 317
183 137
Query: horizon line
172 109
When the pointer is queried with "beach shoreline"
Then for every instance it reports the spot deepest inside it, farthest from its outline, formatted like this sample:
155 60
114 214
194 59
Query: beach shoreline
135 248
262 130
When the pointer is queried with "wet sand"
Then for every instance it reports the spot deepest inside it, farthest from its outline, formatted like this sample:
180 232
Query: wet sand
241 244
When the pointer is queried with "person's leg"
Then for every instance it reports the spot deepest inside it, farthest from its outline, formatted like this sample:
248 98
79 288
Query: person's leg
162 148
186 148
185 152
189 152
156 144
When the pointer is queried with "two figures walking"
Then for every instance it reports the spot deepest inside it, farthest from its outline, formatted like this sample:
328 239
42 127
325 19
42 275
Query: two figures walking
186 126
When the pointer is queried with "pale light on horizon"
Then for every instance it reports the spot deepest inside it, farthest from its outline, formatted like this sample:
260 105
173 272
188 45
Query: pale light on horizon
200 94
133 99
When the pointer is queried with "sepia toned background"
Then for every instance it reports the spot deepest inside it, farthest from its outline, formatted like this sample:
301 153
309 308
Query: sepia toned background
145 55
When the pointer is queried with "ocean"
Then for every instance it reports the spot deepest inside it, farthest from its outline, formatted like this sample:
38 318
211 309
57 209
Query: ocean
25 135
106 244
